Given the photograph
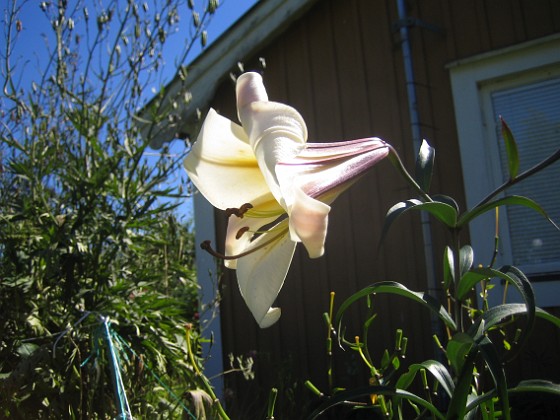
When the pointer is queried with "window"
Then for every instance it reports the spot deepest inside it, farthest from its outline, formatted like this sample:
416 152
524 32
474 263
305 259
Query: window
522 84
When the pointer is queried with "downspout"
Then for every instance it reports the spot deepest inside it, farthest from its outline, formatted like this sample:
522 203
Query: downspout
416 142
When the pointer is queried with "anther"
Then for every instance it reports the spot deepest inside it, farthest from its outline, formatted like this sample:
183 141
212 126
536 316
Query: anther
241 231
239 212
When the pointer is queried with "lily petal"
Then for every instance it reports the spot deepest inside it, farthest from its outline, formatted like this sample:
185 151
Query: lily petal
249 88
261 274
330 168
222 165
308 223
277 132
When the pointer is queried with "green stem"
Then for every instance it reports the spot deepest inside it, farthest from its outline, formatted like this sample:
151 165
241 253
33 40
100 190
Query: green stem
458 310
538 167
397 162
207 386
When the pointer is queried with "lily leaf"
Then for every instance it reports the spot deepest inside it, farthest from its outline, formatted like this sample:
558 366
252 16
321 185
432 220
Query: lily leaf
509 200
497 314
425 166
466 256
536 385
392 287
495 366
437 369
511 149
447 200
442 211
448 267
344 396
531 385
457 348
515 277
470 280
457 405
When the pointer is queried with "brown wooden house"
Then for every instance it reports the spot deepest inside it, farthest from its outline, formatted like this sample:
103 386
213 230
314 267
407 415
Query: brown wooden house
440 70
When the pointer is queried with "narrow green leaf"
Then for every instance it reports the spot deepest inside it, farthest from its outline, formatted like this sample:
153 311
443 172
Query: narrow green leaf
425 166
469 280
515 277
458 403
355 394
466 256
437 369
494 364
447 200
497 314
392 287
448 267
536 385
511 149
509 200
457 349
441 211
531 385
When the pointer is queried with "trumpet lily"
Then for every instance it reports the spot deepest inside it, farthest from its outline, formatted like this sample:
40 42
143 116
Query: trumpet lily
276 188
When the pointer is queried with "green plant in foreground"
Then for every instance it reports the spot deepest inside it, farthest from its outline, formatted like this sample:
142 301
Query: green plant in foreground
97 278
473 334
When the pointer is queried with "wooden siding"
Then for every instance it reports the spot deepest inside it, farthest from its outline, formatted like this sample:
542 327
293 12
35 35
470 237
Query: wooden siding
341 66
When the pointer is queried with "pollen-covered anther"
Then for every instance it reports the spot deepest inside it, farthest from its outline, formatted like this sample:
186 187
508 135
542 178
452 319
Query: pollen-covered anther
239 212
241 231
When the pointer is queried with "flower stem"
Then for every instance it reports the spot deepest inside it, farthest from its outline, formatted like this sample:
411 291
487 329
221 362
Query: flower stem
397 162
537 168
207 386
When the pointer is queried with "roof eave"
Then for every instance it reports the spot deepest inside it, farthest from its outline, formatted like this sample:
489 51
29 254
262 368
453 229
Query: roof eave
259 26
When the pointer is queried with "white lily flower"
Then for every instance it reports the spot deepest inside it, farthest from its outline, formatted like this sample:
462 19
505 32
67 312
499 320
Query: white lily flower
276 187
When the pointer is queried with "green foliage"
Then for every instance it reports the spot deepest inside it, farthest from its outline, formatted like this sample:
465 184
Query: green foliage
89 231
473 334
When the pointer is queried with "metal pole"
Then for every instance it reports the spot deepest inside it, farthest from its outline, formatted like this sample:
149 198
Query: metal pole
416 142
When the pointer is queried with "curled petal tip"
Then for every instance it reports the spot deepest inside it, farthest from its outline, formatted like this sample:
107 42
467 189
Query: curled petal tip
270 318
250 88
308 222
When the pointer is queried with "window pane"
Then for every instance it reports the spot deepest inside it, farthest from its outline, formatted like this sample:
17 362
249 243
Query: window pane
533 114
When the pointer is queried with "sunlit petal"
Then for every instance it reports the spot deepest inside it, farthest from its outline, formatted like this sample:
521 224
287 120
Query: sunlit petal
276 131
308 223
249 88
222 165
261 274
329 169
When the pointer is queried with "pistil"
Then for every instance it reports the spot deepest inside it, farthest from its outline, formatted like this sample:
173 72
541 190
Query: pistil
207 246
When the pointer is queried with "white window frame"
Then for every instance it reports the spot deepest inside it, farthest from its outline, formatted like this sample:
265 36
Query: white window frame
470 81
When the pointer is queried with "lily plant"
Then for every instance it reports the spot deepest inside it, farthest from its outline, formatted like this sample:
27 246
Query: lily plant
275 187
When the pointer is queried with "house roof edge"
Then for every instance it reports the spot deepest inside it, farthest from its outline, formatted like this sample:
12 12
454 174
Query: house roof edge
265 20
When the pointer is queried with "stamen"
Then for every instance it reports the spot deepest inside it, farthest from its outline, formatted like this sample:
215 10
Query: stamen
241 231
239 212
207 246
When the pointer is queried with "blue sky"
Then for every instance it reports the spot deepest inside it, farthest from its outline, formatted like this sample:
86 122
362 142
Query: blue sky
31 45
31 52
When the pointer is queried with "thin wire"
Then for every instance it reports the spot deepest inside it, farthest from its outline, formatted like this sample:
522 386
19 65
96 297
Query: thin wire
111 334
116 371
163 384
